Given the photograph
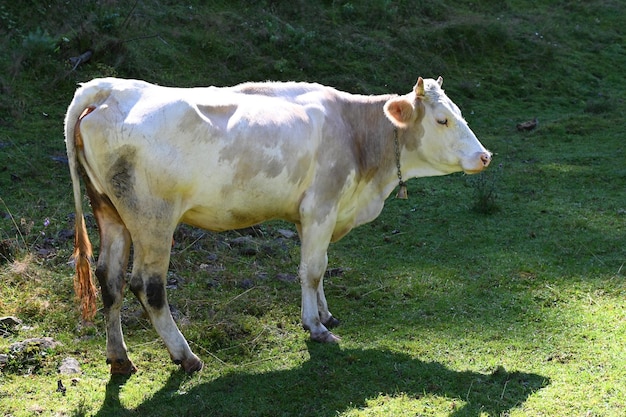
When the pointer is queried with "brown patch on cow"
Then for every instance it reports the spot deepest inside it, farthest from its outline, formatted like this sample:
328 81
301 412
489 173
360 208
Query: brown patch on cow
122 175
101 205
250 160
155 292
105 213
108 299
153 288
111 288
371 135
136 285
261 154
415 132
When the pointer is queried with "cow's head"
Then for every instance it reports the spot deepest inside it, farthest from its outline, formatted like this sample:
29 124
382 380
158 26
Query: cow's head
436 131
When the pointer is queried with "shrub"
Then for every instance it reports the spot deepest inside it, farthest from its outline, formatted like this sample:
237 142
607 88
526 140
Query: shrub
485 187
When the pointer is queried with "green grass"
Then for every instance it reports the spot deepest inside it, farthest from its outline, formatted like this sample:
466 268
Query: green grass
499 295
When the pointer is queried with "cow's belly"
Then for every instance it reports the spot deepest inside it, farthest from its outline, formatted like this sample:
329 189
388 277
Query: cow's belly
231 206
208 219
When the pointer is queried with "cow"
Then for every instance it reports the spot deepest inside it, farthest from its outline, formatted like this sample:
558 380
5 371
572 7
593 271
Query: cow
224 158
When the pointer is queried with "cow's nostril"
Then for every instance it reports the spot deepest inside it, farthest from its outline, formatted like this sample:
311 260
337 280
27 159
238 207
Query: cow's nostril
486 158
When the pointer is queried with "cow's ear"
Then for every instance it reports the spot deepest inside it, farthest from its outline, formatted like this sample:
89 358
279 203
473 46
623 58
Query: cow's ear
440 81
399 111
419 88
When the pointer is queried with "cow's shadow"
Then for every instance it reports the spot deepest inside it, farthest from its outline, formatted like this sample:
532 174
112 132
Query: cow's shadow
331 381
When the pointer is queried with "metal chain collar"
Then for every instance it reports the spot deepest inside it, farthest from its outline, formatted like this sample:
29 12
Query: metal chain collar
402 192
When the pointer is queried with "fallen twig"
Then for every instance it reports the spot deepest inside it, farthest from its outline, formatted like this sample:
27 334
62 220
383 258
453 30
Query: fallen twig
80 59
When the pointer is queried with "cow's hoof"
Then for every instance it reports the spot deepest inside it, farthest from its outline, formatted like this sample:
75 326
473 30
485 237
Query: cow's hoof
122 367
325 337
331 322
191 365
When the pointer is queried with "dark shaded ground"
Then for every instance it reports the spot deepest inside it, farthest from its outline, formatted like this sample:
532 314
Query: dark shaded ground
315 387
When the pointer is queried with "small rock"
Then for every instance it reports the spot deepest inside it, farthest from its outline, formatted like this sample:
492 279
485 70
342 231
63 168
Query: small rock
8 324
69 366
65 235
270 250
241 241
10 321
248 251
212 283
172 282
526 126
336 272
246 284
44 253
286 277
42 342
245 245
287 234
261 275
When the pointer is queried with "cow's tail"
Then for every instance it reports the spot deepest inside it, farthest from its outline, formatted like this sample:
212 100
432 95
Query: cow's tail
83 280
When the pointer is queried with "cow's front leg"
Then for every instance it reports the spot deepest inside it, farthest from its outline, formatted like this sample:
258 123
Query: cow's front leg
313 263
326 317
311 277
148 284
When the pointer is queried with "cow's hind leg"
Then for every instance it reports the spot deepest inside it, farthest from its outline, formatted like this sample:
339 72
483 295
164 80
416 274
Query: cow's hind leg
111 272
150 264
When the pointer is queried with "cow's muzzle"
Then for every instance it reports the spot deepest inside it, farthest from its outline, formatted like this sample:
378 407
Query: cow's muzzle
485 158
479 162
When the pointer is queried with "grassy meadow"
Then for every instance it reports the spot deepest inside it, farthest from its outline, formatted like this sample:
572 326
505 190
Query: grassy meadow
501 294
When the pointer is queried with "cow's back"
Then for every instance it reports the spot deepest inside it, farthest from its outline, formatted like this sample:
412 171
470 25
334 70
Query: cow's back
221 159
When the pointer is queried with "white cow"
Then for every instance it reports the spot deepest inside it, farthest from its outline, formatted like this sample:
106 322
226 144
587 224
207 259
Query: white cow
228 158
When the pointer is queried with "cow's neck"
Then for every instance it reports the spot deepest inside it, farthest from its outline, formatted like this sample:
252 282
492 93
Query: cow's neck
373 137
377 143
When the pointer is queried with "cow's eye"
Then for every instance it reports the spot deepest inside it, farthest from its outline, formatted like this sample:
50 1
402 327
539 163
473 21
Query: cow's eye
443 122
